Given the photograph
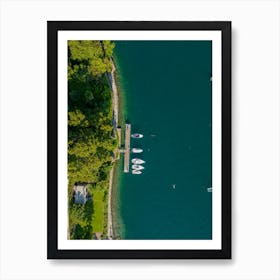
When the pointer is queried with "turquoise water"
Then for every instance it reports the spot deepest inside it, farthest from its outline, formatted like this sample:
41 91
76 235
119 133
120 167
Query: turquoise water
167 90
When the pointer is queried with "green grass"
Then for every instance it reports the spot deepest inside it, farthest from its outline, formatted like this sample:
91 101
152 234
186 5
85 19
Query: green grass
98 212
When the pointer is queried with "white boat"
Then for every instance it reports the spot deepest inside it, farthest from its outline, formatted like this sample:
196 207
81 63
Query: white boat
136 172
137 161
136 150
137 167
209 189
137 135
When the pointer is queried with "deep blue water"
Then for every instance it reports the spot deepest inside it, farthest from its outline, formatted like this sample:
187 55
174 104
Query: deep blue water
167 91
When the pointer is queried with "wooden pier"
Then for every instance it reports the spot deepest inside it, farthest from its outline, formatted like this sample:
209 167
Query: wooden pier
127 147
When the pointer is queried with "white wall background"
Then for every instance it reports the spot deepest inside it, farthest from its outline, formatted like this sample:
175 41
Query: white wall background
256 143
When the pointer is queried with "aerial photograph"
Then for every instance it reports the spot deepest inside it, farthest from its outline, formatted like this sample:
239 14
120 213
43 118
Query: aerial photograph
140 140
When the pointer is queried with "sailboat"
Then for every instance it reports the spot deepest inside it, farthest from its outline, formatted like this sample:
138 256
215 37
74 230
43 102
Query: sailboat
136 150
137 167
137 135
137 161
136 172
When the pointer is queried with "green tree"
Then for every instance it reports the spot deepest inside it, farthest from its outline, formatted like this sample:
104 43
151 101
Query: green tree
90 129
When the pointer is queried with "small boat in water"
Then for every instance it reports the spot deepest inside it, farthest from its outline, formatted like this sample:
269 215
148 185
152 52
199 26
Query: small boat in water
209 189
137 161
137 135
136 150
137 172
137 167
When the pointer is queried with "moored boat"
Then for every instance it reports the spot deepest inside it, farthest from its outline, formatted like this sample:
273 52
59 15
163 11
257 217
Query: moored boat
137 135
137 161
137 172
137 167
136 150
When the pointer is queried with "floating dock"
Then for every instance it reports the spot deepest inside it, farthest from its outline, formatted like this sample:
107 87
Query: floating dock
127 147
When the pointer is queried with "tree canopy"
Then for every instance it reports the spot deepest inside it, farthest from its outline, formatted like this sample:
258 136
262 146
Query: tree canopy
90 128
90 141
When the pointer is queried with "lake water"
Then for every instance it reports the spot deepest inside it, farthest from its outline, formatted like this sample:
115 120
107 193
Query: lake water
167 93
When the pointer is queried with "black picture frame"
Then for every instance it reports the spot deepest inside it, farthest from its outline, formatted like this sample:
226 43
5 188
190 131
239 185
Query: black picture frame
52 61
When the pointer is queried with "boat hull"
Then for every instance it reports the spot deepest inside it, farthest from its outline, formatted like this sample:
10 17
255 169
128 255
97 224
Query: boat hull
136 172
136 151
137 167
137 161
137 135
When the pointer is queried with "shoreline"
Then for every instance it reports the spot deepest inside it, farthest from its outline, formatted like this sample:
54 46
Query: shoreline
110 233
115 99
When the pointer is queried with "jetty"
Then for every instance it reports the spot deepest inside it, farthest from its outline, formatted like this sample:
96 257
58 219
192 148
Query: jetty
127 147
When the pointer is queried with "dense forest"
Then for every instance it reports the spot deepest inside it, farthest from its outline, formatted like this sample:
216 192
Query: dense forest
90 134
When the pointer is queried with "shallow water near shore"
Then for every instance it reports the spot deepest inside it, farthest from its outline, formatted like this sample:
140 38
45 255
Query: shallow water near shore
167 91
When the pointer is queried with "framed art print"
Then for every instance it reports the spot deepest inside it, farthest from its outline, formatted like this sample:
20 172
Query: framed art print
139 140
